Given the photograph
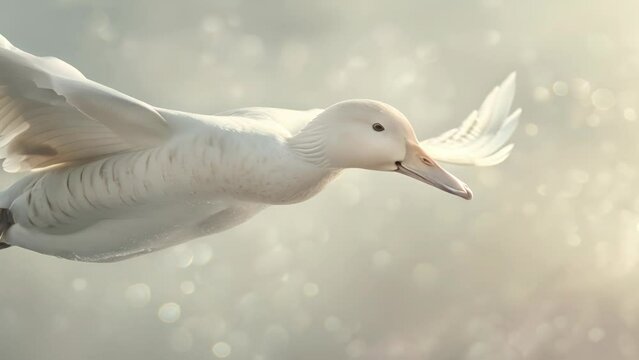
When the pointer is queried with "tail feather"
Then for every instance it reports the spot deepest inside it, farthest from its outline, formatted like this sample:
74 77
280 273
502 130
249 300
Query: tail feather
6 220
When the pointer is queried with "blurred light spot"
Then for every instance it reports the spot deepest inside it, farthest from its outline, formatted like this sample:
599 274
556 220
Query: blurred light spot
405 79
542 190
310 289
187 287
294 57
202 254
603 99
381 258
427 53
79 284
630 114
138 295
169 312
236 91
573 240
425 274
628 346
541 94
580 88
356 348
560 88
593 120
183 255
181 340
212 25
337 79
492 37
396 349
332 324
103 29
579 176
531 129
596 334
357 62
221 350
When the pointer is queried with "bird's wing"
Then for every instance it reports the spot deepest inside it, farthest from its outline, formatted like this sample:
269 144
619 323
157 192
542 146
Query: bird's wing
50 114
482 138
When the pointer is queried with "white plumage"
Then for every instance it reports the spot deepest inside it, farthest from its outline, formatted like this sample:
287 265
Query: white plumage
109 177
481 139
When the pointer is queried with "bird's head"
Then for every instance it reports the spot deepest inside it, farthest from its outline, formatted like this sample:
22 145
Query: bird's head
371 135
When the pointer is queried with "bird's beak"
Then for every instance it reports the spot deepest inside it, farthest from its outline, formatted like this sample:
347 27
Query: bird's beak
422 167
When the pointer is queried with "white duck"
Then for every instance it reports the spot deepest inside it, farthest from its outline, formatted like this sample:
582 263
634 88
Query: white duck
110 177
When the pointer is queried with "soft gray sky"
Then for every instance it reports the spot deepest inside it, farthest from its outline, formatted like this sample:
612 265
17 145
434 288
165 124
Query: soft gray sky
542 264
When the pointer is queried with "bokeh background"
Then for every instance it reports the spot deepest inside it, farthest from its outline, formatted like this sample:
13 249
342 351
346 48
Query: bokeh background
542 264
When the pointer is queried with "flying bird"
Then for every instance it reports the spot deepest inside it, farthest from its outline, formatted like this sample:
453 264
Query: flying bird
108 177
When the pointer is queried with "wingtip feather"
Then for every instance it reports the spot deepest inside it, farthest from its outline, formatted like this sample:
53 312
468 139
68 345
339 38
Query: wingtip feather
512 118
496 158
4 43
481 139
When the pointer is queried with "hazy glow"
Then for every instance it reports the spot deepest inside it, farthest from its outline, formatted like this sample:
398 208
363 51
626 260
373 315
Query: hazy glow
169 312
543 264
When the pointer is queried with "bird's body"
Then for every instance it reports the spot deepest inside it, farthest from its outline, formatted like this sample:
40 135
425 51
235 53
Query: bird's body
112 177
139 201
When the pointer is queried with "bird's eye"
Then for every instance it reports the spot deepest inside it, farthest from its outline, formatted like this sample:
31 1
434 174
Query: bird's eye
378 127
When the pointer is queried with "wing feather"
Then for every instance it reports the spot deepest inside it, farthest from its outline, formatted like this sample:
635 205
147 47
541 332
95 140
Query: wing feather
50 114
481 139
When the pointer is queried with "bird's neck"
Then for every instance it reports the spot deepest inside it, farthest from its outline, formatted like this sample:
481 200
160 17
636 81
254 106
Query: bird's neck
309 144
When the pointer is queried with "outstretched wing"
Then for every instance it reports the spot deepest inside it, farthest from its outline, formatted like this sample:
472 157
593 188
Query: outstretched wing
50 114
482 138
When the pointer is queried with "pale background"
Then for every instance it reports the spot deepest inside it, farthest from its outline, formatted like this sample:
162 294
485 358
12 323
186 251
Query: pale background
542 264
